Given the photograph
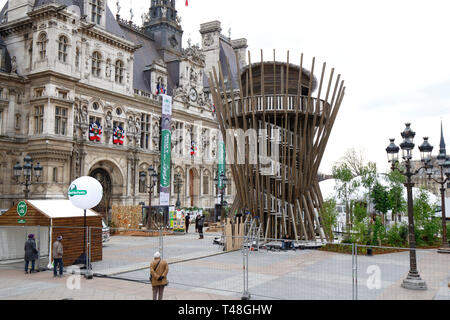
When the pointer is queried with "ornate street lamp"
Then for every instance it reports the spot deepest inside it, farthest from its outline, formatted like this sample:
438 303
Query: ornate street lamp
413 280
443 163
178 184
153 181
27 172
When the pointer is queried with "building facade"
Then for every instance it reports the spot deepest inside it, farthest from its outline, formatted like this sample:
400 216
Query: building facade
69 65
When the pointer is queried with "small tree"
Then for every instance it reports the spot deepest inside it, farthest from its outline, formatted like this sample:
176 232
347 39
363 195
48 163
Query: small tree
345 187
427 228
369 179
379 232
398 202
380 198
329 215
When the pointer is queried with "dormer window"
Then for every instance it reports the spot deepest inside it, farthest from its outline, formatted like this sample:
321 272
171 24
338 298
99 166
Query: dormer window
119 71
96 13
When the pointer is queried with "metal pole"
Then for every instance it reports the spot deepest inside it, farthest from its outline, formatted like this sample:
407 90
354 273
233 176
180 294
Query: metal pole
445 245
413 280
39 249
353 271
356 271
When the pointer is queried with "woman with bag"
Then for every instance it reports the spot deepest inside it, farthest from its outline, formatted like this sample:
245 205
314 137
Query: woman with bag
158 276
31 253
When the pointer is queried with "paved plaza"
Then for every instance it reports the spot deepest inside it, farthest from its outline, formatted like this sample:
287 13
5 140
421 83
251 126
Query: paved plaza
200 270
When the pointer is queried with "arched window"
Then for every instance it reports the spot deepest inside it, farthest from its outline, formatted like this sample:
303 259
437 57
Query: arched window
119 71
42 46
96 63
62 49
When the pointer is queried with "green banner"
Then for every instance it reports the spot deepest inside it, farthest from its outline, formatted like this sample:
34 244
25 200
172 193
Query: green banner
221 165
165 158
21 221
166 150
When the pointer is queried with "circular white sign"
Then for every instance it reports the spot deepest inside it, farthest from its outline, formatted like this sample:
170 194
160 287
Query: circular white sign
85 193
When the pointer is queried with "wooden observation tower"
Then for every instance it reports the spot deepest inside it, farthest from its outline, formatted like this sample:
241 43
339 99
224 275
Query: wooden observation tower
276 119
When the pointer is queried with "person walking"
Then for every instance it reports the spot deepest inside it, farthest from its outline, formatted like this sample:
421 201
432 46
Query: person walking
159 269
31 253
201 223
187 220
58 257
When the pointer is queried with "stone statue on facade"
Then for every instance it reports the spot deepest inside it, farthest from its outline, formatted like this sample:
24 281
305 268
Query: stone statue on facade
14 65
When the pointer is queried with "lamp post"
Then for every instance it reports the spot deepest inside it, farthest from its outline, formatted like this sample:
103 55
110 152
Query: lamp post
153 181
413 280
221 183
178 184
443 163
27 172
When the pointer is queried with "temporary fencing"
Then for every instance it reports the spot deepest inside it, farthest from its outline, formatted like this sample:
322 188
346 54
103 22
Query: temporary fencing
260 269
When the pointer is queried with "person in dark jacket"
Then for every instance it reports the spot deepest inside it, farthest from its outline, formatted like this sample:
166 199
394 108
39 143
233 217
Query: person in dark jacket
201 222
197 219
187 221
31 253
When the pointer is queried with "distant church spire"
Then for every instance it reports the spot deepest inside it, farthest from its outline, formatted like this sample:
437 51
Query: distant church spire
442 145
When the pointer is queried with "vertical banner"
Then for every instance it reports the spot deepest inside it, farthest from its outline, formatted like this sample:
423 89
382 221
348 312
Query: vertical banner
166 149
222 158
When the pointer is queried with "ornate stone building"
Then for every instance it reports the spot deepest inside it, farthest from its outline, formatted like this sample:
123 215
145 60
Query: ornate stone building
66 64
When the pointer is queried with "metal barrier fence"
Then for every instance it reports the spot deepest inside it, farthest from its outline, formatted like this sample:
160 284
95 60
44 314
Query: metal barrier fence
258 271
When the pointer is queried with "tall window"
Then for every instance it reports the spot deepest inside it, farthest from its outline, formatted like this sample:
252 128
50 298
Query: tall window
96 6
119 71
96 63
1 121
55 174
206 184
62 49
141 185
42 46
39 120
145 131
61 121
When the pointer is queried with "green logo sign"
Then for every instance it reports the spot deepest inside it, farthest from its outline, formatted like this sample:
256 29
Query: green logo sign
21 221
73 191
22 208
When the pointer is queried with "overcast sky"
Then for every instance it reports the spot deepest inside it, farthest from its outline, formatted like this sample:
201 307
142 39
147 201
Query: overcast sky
393 55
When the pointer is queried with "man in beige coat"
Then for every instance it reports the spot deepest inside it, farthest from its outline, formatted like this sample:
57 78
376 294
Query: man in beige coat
58 257
159 269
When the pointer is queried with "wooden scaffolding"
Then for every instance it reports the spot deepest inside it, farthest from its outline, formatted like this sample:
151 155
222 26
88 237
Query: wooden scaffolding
279 109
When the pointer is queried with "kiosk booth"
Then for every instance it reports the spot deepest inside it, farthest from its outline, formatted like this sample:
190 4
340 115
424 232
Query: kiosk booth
48 219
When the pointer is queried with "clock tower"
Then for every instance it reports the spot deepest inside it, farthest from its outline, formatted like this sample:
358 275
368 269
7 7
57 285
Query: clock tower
164 26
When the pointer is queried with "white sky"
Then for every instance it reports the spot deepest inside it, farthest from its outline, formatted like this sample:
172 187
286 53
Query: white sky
393 55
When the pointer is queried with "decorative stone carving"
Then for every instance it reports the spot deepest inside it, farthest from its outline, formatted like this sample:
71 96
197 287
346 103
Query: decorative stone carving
208 41
194 53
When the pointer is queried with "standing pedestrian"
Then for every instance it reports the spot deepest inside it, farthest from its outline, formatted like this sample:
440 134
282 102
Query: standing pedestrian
58 257
31 253
187 221
201 222
197 219
159 269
